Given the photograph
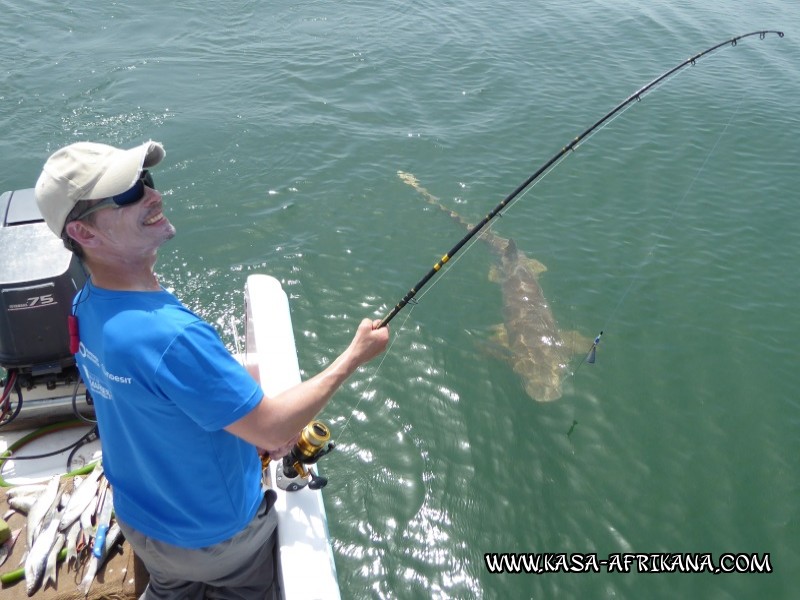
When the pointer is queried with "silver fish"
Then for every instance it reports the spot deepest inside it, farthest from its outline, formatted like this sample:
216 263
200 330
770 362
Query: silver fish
88 576
529 337
72 542
7 546
22 504
37 556
41 508
26 490
87 514
95 563
52 559
81 497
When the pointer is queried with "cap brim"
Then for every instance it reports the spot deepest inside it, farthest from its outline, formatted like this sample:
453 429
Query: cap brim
124 170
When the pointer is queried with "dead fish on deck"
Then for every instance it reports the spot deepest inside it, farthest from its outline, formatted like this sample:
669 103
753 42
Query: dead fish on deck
73 533
81 497
36 560
95 563
87 515
7 546
529 336
21 497
52 559
26 489
43 507
23 503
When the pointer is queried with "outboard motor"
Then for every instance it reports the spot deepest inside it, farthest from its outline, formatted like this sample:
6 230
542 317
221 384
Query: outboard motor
38 279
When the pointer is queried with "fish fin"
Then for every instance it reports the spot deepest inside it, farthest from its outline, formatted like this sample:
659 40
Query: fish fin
511 252
497 344
495 274
509 249
534 265
500 335
408 178
576 342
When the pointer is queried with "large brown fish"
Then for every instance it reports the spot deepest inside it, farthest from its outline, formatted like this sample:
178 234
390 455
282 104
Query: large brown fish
537 351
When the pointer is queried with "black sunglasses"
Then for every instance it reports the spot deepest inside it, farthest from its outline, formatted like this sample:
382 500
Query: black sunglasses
127 197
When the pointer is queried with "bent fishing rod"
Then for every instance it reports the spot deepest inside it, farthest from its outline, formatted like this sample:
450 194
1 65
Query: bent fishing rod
636 96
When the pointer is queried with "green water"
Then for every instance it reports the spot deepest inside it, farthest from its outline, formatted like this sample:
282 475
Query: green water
674 230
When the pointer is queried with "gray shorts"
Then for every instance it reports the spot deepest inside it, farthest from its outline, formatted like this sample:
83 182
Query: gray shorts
241 568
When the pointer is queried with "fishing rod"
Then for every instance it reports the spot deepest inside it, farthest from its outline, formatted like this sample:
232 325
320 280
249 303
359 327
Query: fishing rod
636 96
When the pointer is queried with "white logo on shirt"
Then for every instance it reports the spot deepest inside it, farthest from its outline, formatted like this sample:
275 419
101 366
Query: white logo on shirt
97 385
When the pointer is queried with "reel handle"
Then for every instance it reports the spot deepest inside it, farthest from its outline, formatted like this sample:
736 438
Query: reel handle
317 481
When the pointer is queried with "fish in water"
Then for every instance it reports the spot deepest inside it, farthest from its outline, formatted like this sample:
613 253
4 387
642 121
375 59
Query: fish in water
529 336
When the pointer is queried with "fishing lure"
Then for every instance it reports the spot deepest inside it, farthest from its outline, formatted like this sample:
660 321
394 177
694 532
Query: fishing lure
591 357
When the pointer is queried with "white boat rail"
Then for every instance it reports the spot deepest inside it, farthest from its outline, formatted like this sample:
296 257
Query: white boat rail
306 560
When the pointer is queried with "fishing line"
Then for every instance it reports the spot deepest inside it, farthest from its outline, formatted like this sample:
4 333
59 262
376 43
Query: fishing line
414 302
651 253
648 258
485 224
635 97
590 356
370 391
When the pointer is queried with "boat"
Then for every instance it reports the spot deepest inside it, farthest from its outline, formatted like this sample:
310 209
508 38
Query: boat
45 406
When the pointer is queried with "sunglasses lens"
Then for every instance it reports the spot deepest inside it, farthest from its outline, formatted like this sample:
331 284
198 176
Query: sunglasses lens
136 193
147 178
130 196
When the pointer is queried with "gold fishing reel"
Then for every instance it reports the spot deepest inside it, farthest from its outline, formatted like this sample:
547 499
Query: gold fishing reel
294 471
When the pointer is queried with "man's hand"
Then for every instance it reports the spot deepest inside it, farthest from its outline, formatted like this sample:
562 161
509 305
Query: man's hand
280 452
283 416
369 341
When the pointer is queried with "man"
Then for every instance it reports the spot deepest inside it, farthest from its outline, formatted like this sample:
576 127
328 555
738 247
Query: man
179 418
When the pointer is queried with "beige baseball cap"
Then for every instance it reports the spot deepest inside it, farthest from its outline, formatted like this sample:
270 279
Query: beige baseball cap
89 171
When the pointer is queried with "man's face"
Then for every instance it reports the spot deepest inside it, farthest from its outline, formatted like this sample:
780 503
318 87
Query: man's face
134 229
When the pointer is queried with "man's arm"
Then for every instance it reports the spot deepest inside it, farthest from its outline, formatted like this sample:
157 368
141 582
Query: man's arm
276 421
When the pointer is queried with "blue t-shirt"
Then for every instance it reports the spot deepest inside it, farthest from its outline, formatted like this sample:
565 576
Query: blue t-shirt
164 387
